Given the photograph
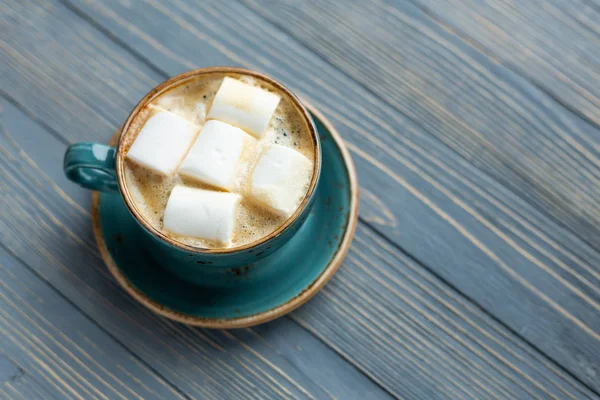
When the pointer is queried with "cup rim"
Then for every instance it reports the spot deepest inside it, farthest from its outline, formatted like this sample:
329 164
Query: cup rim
179 80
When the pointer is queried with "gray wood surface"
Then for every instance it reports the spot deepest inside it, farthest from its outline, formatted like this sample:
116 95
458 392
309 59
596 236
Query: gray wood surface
553 43
50 229
458 228
503 123
474 272
50 346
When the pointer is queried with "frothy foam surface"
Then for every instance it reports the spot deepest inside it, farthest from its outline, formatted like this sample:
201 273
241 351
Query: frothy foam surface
192 100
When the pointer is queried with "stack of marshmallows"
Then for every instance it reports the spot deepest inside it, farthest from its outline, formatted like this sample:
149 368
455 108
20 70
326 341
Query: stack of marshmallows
236 122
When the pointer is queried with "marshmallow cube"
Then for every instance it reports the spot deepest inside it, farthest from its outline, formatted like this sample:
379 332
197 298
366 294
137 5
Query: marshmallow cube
214 157
201 213
163 142
245 106
280 179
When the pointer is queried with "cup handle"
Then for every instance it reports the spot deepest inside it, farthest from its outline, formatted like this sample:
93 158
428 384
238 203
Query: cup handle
92 166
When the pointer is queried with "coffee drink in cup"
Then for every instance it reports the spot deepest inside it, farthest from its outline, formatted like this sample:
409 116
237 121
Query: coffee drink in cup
219 162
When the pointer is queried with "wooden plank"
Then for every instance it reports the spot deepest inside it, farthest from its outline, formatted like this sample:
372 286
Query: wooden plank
498 120
403 327
49 345
46 223
385 303
419 166
77 73
530 272
554 43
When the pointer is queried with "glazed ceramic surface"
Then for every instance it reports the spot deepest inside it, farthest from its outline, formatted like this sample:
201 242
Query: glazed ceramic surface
100 167
252 293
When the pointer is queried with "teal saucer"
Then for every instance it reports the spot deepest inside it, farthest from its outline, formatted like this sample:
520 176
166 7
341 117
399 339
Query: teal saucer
297 271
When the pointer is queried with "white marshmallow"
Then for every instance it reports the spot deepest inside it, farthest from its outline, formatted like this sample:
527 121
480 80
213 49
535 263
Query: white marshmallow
201 213
280 179
163 142
245 106
214 157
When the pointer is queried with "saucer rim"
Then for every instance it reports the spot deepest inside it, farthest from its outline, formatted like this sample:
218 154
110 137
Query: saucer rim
264 316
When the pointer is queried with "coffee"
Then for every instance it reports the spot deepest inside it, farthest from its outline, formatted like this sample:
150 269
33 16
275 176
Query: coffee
192 101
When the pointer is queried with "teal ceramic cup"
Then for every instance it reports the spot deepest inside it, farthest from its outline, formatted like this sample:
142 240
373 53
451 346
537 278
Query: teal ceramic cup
101 167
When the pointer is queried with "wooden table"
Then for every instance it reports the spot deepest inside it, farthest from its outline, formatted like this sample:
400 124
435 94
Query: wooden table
475 129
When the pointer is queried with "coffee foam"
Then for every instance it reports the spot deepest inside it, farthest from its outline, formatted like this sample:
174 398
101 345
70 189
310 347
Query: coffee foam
150 191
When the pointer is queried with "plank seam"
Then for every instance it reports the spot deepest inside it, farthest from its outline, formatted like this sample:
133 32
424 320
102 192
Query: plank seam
115 39
162 73
58 136
468 40
80 311
463 37
475 304
294 320
55 134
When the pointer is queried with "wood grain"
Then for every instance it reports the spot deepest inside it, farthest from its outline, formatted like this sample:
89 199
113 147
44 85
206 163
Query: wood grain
50 350
426 215
402 327
385 304
46 223
554 43
24 388
530 272
495 118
